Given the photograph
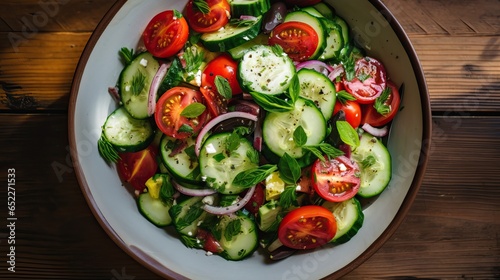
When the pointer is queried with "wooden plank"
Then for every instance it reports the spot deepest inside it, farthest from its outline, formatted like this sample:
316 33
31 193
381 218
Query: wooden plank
450 232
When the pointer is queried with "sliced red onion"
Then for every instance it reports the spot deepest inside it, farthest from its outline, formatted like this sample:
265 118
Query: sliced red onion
192 192
215 121
155 84
216 210
317 65
113 91
375 131
257 134
248 17
336 72
247 106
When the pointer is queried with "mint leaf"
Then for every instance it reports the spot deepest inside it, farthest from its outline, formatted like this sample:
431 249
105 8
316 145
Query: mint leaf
289 169
347 133
299 136
223 87
252 177
193 110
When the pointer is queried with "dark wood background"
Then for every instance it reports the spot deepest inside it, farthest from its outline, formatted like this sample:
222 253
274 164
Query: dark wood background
451 232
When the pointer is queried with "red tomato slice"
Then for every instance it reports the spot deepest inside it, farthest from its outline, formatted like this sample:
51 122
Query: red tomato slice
210 244
301 3
169 108
369 81
307 227
166 34
352 112
215 102
137 167
335 179
211 20
257 199
374 118
226 67
299 40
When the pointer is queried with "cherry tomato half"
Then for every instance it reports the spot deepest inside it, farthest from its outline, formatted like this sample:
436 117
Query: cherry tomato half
169 109
369 81
137 167
166 34
307 227
226 67
299 40
352 112
210 20
257 199
336 179
372 117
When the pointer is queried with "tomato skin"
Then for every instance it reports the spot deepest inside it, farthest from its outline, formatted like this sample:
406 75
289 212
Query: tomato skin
352 112
257 200
335 179
225 66
374 118
136 168
165 34
298 39
216 103
307 227
210 22
301 3
169 108
210 244
374 81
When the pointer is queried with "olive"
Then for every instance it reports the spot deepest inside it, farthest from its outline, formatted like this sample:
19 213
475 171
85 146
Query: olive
274 16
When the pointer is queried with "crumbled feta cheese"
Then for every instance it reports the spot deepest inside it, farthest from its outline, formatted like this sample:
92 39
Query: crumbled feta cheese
209 199
210 149
208 253
143 62
127 88
342 167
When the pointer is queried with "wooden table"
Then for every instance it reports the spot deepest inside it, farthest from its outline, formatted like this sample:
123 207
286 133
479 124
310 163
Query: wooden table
452 230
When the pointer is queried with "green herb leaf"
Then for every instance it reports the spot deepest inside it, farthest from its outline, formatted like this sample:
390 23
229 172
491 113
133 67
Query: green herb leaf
191 153
233 228
271 103
107 150
223 87
330 150
277 50
236 22
299 136
202 6
347 133
233 142
381 102
127 55
289 169
294 89
185 128
253 155
190 242
252 177
349 68
315 151
219 157
194 58
363 76
343 96
288 197
193 110
368 161
192 214
138 83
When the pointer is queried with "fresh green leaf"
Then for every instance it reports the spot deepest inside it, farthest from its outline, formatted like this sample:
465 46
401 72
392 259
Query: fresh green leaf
252 177
294 89
193 110
363 76
127 55
192 214
330 150
233 142
185 128
190 241
237 22
299 136
138 83
223 87
173 77
347 133
190 151
349 68
315 151
194 58
289 169
343 96
107 150
202 6
277 50
232 229
381 102
219 157
253 155
288 197
177 14
271 103
368 161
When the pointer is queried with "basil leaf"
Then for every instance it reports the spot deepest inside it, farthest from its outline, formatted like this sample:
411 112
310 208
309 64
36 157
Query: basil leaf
294 89
233 228
299 136
315 151
233 142
288 198
347 133
343 96
271 103
330 150
252 177
289 169
223 87
193 110
185 128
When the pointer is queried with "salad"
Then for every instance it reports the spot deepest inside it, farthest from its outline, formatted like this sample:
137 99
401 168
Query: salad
251 123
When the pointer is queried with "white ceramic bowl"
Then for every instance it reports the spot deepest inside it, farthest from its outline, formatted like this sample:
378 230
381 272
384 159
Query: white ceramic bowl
115 208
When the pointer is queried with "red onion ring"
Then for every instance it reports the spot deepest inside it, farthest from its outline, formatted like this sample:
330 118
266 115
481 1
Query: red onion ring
213 122
317 65
192 192
216 210
155 84
375 131
336 71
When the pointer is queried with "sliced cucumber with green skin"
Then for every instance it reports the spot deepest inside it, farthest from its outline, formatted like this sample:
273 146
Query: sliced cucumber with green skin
249 7
318 88
231 36
219 167
375 165
315 23
266 70
237 235
134 83
126 133
326 10
346 32
183 165
311 10
154 209
187 215
334 40
279 127
349 216
239 51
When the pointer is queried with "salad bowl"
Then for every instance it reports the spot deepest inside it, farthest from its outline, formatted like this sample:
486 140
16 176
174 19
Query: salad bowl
374 28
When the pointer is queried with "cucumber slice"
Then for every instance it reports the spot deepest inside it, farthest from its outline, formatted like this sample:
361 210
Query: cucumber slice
346 33
315 23
154 210
265 70
231 36
349 216
326 10
134 83
249 7
182 165
237 235
187 215
318 88
375 165
127 134
219 167
334 40
239 51
313 11
279 127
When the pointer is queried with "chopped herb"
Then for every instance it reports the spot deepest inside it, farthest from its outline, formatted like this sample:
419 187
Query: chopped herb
381 102
127 55
299 136
368 161
233 228
349 68
343 96
219 157
138 83
242 22
288 198
202 6
252 177
107 150
294 89
185 128
289 169
223 87
271 103
194 58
